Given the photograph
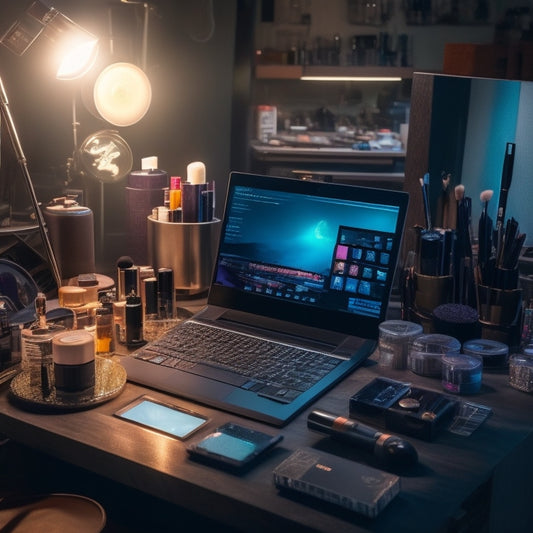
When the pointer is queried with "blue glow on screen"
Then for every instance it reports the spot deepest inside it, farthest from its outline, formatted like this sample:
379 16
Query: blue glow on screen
296 230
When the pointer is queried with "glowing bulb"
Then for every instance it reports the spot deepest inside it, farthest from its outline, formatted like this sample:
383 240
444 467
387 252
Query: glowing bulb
78 60
122 94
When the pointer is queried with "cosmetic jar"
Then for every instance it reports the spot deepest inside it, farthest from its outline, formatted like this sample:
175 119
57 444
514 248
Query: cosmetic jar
461 374
457 320
74 360
521 372
426 352
493 354
394 339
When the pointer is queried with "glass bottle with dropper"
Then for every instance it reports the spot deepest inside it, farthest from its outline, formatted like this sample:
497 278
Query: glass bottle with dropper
36 347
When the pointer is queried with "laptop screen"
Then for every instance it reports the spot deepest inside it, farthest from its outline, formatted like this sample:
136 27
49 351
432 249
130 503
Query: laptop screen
315 253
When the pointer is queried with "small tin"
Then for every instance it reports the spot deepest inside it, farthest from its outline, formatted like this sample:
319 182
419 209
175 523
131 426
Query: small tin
494 354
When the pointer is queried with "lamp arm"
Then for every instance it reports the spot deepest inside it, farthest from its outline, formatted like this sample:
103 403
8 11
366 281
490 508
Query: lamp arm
17 147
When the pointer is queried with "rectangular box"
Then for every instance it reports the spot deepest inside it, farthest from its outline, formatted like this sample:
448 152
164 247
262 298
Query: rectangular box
354 486
398 407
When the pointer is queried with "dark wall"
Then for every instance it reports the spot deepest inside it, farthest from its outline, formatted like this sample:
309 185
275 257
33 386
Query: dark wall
190 66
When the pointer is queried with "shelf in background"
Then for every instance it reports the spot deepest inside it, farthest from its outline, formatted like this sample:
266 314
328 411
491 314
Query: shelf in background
295 72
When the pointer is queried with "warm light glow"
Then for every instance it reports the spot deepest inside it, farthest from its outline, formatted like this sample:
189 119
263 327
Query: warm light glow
351 78
122 94
78 60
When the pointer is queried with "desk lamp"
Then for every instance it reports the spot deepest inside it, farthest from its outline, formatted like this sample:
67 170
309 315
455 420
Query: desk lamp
43 23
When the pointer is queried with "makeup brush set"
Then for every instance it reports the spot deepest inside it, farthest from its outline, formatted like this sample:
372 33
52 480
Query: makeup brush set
444 268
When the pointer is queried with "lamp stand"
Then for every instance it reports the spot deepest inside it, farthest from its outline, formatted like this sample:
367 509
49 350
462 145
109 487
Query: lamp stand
17 147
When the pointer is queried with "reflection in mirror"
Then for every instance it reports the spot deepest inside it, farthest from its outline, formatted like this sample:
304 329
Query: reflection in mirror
459 130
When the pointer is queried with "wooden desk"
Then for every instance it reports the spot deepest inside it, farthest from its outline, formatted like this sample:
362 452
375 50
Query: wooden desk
459 479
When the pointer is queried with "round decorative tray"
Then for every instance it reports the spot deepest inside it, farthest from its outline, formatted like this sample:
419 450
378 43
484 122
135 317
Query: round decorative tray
110 378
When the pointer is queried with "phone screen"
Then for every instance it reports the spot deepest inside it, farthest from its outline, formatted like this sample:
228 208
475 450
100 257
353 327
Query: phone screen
165 418
233 445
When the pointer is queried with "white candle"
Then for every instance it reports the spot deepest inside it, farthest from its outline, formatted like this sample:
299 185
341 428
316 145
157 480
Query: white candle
196 173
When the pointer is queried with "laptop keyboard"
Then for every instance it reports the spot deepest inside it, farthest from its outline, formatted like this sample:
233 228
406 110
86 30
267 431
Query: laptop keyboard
271 369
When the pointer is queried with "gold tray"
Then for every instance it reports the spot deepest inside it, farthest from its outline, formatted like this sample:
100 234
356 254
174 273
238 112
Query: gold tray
110 379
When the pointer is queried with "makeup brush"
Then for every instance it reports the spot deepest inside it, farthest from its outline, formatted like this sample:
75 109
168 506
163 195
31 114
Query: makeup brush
424 183
463 257
507 175
485 235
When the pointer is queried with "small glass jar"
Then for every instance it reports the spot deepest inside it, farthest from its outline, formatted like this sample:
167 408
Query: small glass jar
461 374
521 372
394 339
426 352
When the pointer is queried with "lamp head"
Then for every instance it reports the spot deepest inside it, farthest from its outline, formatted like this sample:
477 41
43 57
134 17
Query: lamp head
75 49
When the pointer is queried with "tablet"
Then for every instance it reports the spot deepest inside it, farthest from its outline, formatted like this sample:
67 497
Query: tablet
162 417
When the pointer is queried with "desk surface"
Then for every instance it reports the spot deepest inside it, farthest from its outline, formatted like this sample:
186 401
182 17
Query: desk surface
451 469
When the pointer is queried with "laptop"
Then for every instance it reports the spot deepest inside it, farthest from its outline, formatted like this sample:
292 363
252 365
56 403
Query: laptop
303 269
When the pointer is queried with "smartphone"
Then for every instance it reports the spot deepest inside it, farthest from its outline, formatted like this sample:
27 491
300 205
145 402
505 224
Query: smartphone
233 446
165 418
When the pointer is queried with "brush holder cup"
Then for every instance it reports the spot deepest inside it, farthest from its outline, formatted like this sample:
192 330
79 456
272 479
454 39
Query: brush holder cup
499 307
432 291
500 313
188 248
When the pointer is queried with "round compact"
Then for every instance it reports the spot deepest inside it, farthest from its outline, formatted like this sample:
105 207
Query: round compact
494 354
426 352
394 339
461 374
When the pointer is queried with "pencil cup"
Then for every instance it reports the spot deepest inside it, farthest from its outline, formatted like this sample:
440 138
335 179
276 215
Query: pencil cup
499 307
188 248
505 278
432 291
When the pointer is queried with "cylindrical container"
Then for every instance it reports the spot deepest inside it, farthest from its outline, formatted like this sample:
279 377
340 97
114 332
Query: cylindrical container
71 232
461 374
426 352
432 291
457 320
267 119
149 297
521 372
128 282
134 321
165 292
494 354
395 337
72 296
74 365
145 190
189 249
119 321
104 341
36 348
499 307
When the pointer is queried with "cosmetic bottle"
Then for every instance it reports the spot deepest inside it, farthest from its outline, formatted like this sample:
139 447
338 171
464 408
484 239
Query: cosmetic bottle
134 320
165 288
36 348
